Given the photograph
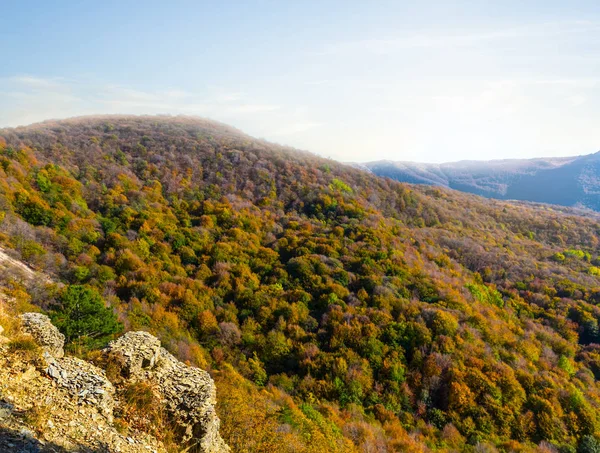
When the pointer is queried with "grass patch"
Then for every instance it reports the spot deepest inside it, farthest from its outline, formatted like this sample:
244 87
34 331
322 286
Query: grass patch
23 343
143 410
37 417
140 396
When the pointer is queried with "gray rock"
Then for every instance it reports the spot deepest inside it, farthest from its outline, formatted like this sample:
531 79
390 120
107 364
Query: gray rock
44 333
53 372
84 380
136 352
188 393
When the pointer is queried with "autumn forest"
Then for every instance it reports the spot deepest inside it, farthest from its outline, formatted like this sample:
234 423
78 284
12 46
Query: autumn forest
337 311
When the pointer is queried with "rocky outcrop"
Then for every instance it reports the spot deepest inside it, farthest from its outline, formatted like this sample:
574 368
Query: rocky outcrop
188 393
136 353
190 397
85 381
44 333
39 414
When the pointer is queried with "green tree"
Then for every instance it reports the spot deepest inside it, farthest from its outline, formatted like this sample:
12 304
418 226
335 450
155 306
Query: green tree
83 318
589 444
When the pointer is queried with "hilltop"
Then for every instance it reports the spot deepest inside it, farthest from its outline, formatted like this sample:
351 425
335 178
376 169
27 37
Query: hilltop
566 181
335 310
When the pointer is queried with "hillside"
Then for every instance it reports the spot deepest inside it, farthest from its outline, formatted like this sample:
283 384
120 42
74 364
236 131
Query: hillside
336 311
567 181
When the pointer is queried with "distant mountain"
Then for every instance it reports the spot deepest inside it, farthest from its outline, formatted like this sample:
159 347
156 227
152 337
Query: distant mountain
566 181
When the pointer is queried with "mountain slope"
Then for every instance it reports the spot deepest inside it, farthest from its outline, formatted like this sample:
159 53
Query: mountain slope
341 311
569 181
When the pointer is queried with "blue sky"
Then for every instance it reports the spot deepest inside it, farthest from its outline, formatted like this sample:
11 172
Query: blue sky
351 80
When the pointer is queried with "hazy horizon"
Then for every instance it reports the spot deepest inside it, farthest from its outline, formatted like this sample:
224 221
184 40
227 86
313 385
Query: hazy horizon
166 115
430 83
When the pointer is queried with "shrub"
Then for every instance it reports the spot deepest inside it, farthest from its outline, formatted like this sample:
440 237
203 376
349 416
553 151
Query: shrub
593 270
565 364
444 323
588 444
340 185
143 410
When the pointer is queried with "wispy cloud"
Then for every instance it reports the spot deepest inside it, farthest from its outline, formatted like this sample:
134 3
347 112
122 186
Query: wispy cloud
577 100
426 39
229 97
320 82
252 108
37 83
43 98
583 82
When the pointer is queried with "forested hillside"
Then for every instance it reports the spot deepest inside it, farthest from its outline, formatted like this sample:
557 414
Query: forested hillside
337 311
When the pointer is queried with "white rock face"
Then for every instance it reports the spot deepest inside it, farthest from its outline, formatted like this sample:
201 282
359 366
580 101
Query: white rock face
44 333
188 393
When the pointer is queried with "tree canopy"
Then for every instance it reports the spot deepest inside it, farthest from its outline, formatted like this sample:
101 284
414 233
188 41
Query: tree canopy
82 316
354 313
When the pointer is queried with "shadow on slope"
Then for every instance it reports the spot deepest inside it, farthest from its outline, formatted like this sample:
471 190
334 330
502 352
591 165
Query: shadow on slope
13 441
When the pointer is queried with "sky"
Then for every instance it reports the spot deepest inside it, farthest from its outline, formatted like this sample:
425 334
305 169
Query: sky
351 80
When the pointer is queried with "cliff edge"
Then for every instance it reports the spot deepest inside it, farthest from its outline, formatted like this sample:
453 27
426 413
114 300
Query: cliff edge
50 402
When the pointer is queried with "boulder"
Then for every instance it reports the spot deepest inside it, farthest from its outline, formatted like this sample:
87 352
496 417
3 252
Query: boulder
135 352
83 380
44 333
188 393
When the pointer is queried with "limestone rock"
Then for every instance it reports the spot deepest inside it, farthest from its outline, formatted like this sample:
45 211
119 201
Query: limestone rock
44 333
83 380
188 393
135 352
66 422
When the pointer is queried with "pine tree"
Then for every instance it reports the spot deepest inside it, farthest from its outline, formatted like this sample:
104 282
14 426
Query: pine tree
83 317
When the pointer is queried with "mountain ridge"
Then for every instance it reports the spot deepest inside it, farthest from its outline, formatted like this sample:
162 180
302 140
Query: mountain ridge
566 181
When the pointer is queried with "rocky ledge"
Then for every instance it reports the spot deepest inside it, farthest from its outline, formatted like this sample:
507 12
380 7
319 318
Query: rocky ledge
188 393
83 380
